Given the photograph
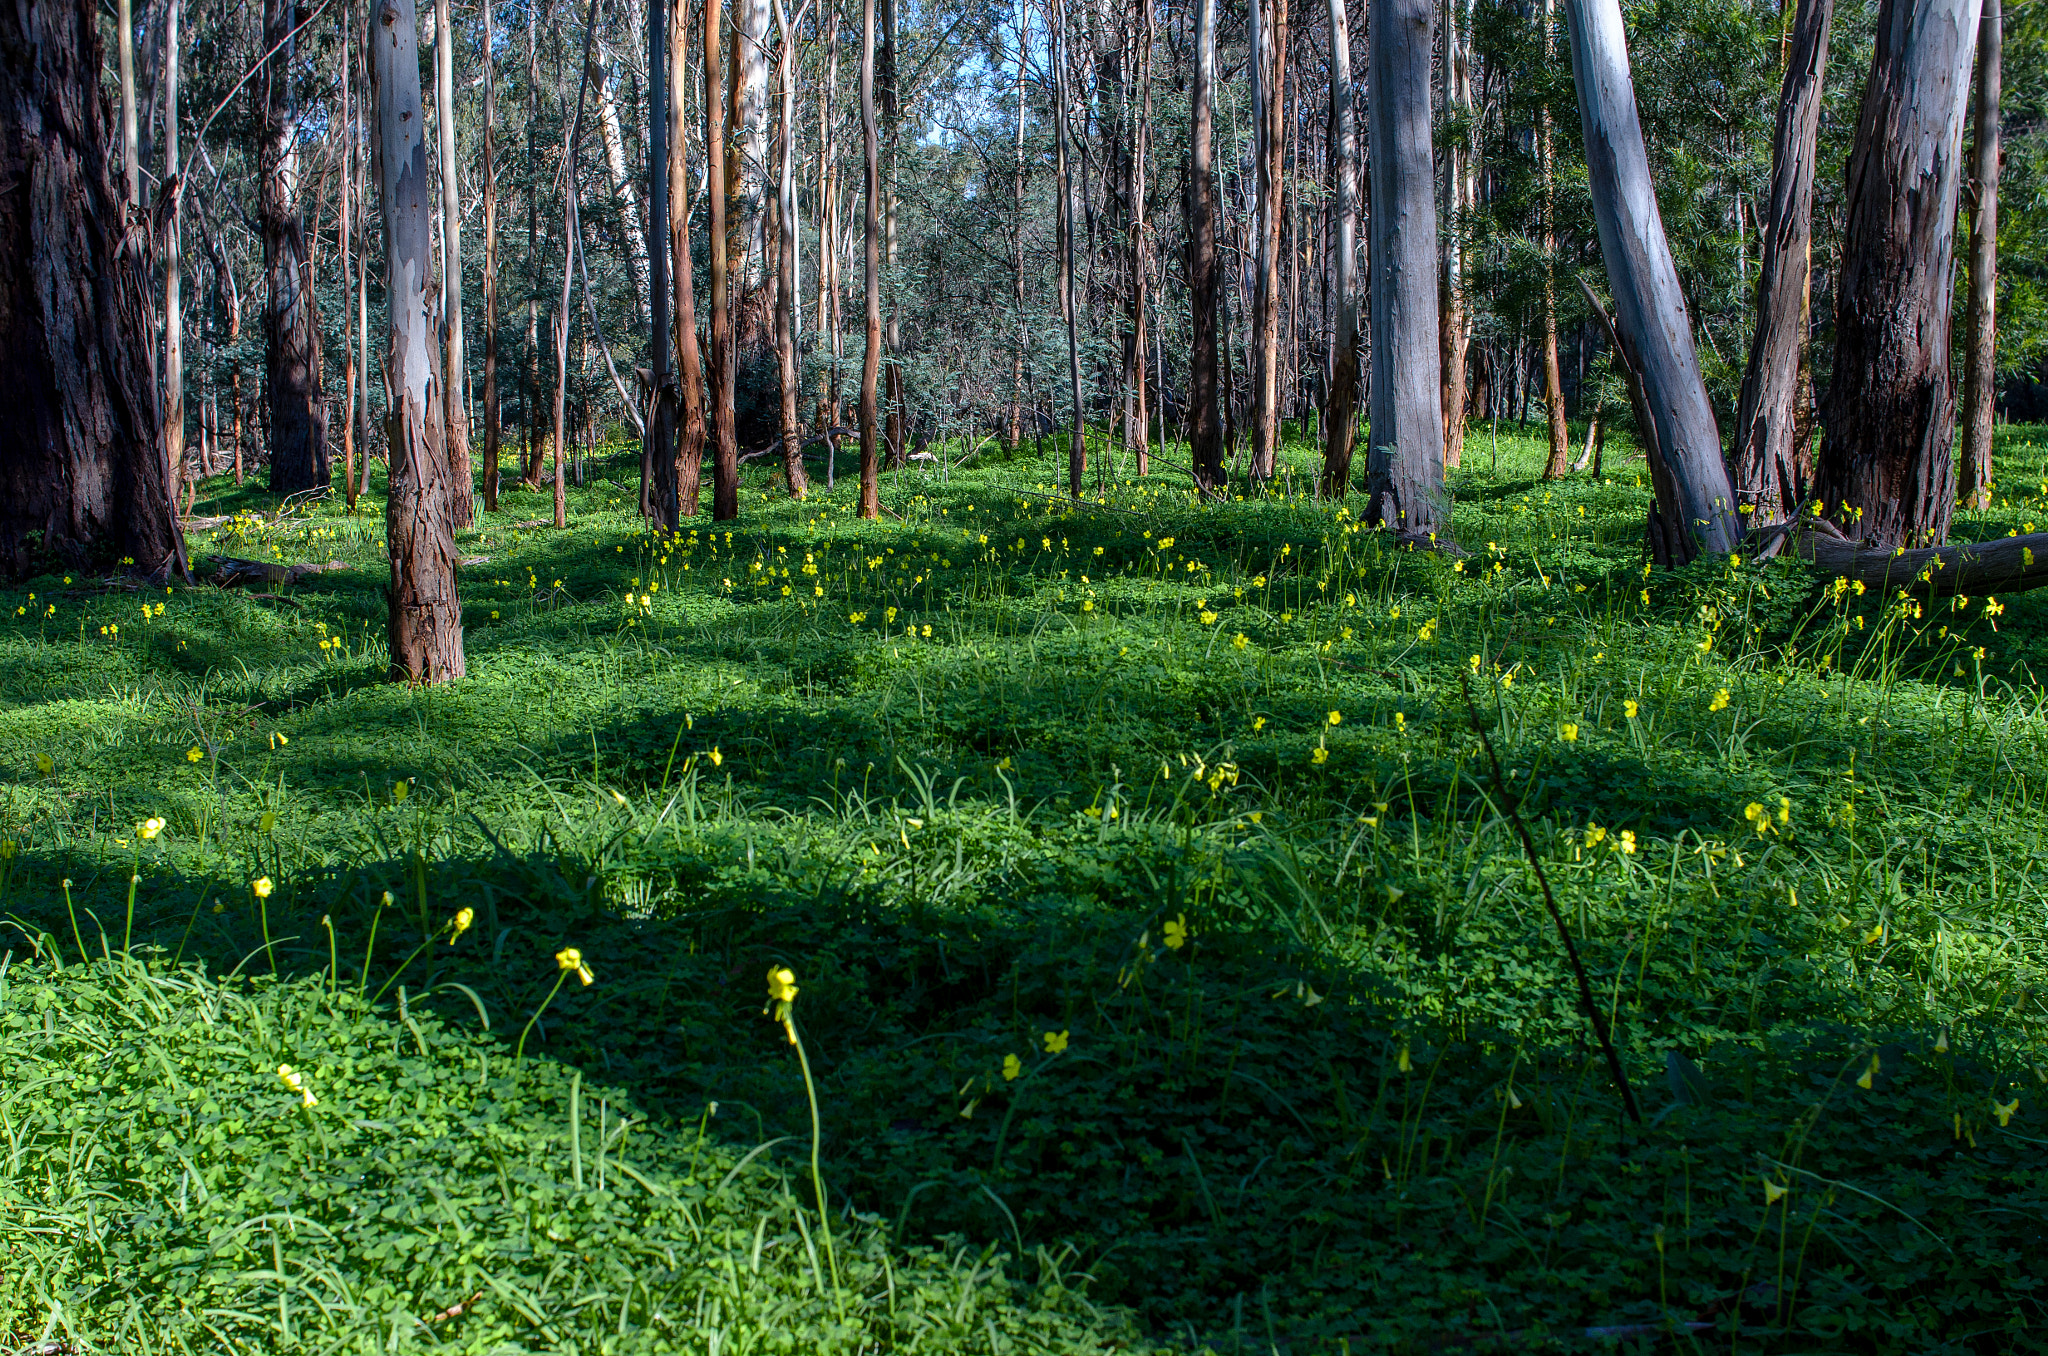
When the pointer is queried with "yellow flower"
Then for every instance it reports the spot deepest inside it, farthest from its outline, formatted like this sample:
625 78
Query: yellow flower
399 791
152 827
1628 842
1720 701
2005 1110
1568 732
262 887
781 985
1595 835
1869 1078
45 764
569 958
1012 1066
292 1079
1177 933
1239 641
1629 709
1318 755
1335 718
1403 1063
1941 1042
1773 1193
717 758
1055 1042
463 920
193 755
1208 618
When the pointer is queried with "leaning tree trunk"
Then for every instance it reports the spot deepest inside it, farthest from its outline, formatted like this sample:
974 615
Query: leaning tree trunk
1341 418
1886 471
291 322
82 471
1768 481
1405 480
426 614
1205 428
1980 366
871 348
1695 506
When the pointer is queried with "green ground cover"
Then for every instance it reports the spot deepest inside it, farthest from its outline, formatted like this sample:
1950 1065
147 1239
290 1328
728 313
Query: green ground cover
1170 968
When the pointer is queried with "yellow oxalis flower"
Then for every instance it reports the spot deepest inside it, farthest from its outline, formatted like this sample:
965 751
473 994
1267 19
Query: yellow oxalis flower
569 958
262 887
1319 755
1177 933
1012 1066
463 920
45 764
1629 710
1773 1193
152 826
294 1080
1869 1078
2004 1111
1056 1042
1568 732
1335 718
193 755
1720 701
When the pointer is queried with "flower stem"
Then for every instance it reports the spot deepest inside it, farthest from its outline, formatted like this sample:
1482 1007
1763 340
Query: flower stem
520 1053
817 1177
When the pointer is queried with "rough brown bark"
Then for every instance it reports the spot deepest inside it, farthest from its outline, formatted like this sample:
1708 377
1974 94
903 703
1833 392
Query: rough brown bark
1553 377
1886 471
460 507
425 620
689 362
1070 306
725 464
658 441
291 324
1205 430
1980 365
1341 418
785 261
82 478
1455 334
494 430
1270 52
1769 476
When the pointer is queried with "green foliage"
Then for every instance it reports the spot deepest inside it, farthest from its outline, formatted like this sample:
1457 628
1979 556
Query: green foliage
1158 926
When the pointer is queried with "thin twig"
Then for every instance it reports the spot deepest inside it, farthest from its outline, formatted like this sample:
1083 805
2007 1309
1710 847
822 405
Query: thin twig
1564 933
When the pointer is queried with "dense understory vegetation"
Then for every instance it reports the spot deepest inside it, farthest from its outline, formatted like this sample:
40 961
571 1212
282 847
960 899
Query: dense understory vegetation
1169 967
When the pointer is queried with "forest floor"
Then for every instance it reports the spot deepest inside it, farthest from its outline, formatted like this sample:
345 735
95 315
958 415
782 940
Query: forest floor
1170 967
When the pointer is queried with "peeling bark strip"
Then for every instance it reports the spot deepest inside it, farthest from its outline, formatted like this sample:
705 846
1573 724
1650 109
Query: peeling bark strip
1980 367
1769 476
1886 468
291 322
426 616
1653 334
1405 471
82 472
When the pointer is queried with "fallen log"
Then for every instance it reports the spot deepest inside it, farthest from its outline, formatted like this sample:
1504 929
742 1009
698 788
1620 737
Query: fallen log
2001 565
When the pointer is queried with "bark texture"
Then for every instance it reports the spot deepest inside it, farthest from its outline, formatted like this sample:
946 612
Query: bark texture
1886 468
1205 428
1405 473
658 443
1770 474
1695 507
291 322
689 361
1340 419
871 349
456 364
1980 365
725 465
82 470
425 613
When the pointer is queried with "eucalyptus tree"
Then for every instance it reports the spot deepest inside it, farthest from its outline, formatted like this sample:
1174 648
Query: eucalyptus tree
1980 361
1341 417
454 379
1205 429
291 323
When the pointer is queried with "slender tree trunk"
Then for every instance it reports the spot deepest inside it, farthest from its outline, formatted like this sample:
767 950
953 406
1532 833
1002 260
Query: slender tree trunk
351 204
689 361
624 195
1980 366
1077 440
1136 426
174 266
871 350
291 325
658 443
1553 378
1695 502
1405 477
1341 419
365 153
747 169
1269 109
1768 455
572 189
785 263
1455 337
892 340
1205 431
1886 470
461 508
82 468
493 424
425 613
720 187
1017 239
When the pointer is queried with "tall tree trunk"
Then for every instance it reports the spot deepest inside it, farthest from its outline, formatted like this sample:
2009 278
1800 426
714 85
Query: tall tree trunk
174 266
493 425
425 613
82 477
725 466
785 262
1405 477
747 168
460 506
624 195
658 443
1886 471
1077 440
1270 55
1455 336
361 412
1341 418
1695 507
871 349
689 362
291 323
1017 238
892 341
1205 428
1553 378
572 189
1980 366
1767 454
1137 422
